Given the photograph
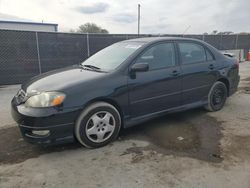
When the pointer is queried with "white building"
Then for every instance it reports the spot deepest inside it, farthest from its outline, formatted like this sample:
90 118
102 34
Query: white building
28 26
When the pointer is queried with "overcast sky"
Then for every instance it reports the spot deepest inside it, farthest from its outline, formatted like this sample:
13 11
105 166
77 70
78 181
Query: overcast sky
120 16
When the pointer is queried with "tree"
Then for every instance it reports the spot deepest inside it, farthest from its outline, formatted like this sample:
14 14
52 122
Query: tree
90 28
225 33
214 32
244 33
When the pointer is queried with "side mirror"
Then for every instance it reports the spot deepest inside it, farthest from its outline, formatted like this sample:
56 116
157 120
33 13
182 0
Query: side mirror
140 67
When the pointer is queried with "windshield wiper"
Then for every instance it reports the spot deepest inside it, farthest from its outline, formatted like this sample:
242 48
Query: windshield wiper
92 67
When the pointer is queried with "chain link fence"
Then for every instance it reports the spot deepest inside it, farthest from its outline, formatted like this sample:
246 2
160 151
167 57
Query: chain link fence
25 54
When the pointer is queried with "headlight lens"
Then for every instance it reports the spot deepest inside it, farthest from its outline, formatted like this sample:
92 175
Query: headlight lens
46 99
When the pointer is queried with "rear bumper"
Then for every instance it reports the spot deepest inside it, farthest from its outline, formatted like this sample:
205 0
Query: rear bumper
234 85
59 125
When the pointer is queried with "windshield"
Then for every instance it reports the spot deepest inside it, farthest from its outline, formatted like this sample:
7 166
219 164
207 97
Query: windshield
112 56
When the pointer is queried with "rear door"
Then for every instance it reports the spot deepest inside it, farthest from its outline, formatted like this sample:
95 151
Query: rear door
159 88
198 71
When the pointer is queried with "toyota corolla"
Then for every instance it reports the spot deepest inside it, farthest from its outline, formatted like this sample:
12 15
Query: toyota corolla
120 86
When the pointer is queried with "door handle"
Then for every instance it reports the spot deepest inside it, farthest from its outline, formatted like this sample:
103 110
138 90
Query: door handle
175 73
211 66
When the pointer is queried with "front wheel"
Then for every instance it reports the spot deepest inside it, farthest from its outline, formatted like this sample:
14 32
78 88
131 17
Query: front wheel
217 97
98 125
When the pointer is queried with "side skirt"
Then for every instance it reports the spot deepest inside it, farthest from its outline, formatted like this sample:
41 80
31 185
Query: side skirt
129 122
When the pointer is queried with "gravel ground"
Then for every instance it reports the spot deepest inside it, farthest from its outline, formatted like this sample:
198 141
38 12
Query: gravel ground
188 149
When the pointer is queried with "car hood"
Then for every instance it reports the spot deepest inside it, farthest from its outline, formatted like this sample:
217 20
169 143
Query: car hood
60 79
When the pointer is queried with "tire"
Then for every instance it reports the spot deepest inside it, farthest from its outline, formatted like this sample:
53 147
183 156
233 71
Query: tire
217 97
98 125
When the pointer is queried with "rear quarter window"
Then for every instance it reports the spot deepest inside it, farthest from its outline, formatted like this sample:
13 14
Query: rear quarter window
210 57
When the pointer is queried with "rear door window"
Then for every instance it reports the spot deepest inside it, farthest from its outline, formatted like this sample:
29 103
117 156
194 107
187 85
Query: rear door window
191 53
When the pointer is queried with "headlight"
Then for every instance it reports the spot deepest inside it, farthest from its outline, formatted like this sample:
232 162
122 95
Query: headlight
46 99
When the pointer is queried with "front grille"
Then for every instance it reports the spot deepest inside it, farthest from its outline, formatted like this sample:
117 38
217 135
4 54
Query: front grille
21 96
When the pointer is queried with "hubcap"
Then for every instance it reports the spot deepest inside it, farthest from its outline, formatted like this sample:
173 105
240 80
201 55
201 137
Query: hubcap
100 126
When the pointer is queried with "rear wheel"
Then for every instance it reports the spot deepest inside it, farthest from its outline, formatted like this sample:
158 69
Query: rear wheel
98 125
217 97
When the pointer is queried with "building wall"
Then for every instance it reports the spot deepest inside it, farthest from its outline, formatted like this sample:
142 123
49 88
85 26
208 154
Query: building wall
28 27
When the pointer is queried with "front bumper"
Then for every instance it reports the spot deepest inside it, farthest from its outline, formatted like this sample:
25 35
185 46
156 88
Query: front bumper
58 124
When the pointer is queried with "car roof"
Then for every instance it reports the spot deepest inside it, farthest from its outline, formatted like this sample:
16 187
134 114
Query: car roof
158 39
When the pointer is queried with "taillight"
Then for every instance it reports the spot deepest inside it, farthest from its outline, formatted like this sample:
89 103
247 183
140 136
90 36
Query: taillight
237 64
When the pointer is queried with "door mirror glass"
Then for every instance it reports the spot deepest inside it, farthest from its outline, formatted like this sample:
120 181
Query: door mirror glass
140 67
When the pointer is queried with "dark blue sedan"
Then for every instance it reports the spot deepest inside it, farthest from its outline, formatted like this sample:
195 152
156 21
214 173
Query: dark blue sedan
120 86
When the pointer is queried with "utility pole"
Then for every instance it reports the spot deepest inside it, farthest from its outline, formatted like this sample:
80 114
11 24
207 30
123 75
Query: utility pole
139 17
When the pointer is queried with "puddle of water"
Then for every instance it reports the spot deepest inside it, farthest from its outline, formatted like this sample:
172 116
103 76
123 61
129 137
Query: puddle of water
192 133
246 79
183 136
14 149
239 148
245 89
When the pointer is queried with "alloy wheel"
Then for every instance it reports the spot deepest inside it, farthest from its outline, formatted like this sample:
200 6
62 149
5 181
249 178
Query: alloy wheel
100 126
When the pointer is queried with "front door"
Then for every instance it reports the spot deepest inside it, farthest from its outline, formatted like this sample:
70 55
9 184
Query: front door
159 88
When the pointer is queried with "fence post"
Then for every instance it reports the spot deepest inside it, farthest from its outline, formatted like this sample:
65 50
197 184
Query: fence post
221 41
236 41
203 37
38 54
88 44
